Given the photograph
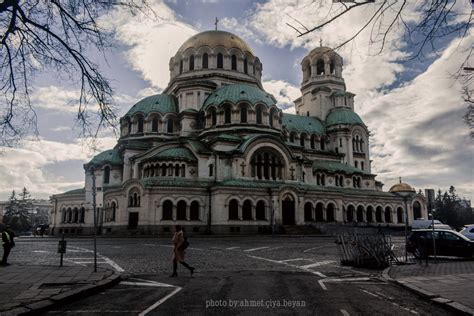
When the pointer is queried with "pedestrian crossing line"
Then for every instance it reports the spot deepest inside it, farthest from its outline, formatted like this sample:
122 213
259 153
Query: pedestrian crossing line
232 248
290 265
317 264
295 259
344 312
100 257
255 249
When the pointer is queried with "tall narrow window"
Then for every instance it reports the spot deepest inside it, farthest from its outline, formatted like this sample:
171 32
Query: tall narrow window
106 175
320 67
191 62
312 141
113 209
362 165
211 170
243 114
180 66
220 61
140 125
227 115
234 62
302 137
270 118
259 115
194 211
167 210
205 61
245 66
233 210
213 118
322 144
170 126
154 125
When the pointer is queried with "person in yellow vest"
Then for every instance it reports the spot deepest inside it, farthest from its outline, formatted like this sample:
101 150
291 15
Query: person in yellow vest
8 244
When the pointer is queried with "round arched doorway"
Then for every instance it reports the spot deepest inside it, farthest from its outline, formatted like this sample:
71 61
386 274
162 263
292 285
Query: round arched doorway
288 210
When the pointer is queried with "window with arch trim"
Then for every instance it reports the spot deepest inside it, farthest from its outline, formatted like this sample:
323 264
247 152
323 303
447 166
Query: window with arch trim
243 114
167 210
191 62
154 125
233 209
220 61
234 62
106 174
245 66
205 61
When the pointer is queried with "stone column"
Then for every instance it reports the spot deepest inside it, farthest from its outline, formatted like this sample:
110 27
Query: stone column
188 212
240 211
174 212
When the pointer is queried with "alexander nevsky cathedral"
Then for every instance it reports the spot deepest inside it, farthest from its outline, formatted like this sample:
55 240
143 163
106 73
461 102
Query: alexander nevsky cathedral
214 153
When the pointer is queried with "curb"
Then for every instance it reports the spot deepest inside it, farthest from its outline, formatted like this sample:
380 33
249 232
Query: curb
48 303
431 297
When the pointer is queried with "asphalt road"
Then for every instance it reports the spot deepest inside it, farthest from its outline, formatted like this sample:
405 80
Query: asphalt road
243 275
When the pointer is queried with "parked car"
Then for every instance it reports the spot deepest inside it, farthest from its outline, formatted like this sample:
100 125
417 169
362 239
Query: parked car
427 223
468 231
448 243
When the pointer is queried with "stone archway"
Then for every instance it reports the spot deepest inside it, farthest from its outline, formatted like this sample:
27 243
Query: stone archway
288 210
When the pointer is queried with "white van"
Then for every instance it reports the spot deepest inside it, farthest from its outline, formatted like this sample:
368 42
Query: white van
426 223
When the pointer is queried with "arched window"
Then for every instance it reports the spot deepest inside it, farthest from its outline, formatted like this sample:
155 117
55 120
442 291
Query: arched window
191 62
271 117
180 66
267 164
260 211
140 124
183 170
176 171
322 144
181 211
194 211
233 210
234 62
167 210
133 199
292 137
416 210
169 127
320 67
400 215
154 125
330 212
205 61
259 115
388 215
350 213
76 215
378 214
69 215
332 68
227 115
356 164
245 66
82 215
247 210
163 170
308 71
106 175
64 212
211 170
360 214
220 61
362 165
113 208
243 114
302 139
319 212
370 214
313 142
308 212
129 126
213 117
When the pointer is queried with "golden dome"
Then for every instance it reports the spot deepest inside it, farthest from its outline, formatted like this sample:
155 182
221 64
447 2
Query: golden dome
401 187
214 39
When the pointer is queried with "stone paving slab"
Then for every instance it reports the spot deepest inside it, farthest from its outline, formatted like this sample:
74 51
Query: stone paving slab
446 283
29 288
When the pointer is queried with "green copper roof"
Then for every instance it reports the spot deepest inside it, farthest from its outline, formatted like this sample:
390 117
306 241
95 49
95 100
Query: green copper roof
239 92
111 156
178 153
343 116
161 103
335 166
301 123
75 191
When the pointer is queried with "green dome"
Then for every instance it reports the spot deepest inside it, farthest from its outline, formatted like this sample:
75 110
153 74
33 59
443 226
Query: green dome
177 153
239 92
343 116
161 103
301 123
111 157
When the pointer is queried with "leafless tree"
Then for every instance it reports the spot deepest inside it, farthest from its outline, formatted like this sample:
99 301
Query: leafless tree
438 20
53 35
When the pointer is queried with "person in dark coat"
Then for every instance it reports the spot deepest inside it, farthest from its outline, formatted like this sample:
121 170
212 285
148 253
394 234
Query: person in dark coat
179 251
8 244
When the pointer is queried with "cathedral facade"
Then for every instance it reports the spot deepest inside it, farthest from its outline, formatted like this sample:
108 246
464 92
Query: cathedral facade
214 153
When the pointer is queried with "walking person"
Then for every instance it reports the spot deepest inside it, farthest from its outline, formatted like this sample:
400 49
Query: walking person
180 244
8 244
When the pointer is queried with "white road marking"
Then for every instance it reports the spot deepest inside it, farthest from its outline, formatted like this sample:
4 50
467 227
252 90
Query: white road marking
318 247
161 301
317 264
99 257
146 284
232 248
42 251
296 259
384 297
321 284
255 249
289 264
319 274
344 312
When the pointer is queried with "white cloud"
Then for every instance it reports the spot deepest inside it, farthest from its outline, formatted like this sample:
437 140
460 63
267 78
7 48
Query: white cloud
153 39
24 166
284 92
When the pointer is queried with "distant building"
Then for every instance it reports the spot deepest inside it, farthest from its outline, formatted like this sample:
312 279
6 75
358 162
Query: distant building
214 151
40 211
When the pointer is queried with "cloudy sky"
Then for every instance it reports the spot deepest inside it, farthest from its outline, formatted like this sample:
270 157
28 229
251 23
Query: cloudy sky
413 108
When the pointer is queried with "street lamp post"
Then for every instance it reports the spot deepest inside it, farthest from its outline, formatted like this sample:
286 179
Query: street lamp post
406 228
433 234
94 208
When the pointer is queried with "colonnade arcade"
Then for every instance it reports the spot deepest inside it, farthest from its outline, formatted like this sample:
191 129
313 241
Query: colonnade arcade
267 164
372 214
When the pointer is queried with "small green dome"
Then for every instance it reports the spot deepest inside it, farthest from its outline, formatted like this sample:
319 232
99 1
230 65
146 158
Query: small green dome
343 116
161 103
302 123
111 157
177 153
239 92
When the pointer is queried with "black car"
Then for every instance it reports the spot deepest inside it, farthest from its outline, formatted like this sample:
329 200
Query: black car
448 243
